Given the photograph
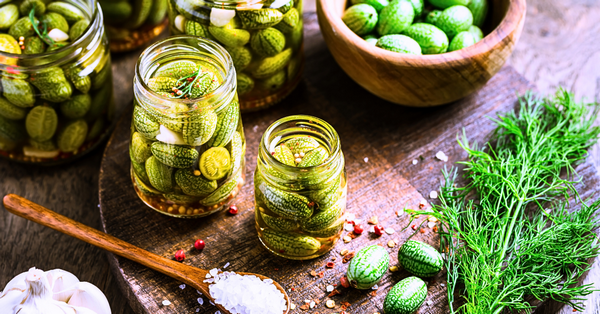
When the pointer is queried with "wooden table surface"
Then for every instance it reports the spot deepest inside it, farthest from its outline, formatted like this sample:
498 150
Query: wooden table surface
559 47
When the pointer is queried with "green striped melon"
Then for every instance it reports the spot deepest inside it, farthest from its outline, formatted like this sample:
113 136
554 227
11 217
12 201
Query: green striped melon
290 244
405 297
368 267
420 259
174 155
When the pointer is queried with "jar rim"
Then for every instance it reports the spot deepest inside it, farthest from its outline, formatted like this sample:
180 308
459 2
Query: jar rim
96 20
230 74
333 156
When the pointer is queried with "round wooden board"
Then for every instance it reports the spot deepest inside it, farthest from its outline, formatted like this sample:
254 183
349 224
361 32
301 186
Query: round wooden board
380 140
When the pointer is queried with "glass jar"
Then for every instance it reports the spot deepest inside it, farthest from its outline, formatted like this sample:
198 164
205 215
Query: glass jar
130 24
187 143
264 39
300 188
57 101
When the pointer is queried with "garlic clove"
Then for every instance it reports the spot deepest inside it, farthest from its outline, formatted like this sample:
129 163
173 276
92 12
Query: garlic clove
83 310
17 283
180 23
89 296
62 284
221 17
57 35
10 299
170 137
31 151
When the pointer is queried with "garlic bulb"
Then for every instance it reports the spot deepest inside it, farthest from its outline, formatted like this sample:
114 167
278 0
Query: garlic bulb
52 292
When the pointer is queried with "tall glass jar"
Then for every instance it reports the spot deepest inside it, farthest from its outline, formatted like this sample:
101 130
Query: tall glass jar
132 23
187 144
300 188
264 39
56 78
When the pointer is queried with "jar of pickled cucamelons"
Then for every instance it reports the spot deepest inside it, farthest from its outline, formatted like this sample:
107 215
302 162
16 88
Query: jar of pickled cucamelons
132 23
187 142
300 188
56 100
264 39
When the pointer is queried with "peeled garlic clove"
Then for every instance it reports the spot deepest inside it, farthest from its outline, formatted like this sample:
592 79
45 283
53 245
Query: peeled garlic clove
83 310
12 298
17 283
220 17
30 151
89 296
58 35
180 23
62 283
170 137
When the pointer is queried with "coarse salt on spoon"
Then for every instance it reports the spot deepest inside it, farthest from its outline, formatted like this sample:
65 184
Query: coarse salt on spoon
189 275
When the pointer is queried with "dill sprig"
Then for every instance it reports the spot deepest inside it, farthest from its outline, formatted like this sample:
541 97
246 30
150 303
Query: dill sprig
43 33
185 85
507 233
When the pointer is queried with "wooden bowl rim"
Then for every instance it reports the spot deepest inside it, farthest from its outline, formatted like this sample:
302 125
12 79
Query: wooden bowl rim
516 8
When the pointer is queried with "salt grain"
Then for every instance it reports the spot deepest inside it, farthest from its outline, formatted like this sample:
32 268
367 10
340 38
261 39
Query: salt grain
441 156
182 286
200 301
375 287
433 194
197 309
349 227
415 161
255 129
312 304
330 288
166 302
389 230
207 275
431 224
429 302
366 159
247 294
226 265
200 293
213 272
292 306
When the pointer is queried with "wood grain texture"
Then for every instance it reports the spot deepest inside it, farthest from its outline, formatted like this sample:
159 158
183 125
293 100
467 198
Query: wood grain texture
410 79
379 139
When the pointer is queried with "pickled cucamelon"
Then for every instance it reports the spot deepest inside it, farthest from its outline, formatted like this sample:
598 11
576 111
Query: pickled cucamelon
190 139
263 38
300 202
64 107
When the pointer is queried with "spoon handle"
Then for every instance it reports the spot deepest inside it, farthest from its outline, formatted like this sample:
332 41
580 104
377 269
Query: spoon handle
44 216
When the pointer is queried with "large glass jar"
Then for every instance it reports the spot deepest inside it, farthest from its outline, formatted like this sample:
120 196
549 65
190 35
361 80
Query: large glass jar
300 188
187 144
132 23
264 39
56 79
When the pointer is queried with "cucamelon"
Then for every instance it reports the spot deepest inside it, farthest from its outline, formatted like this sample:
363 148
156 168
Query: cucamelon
277 223
302 144
76 107
259 19
291 244
368 267
52 83
177 69
201 128
144 123
268 42
195 185
10 111
323 219
159 174
220 194
18 91
284 155
271 65
454 20
420 259
140 149
431 39
289 22
174 155
41 123
314 157
361 18
72 136
227 124
287 204
406 296
399 43
395 17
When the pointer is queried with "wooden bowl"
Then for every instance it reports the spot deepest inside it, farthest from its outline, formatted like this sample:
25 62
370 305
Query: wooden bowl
427 80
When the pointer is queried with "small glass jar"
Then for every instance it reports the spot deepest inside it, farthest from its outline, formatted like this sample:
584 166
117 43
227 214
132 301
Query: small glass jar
264 39
187 149
57 101
300 188
130 24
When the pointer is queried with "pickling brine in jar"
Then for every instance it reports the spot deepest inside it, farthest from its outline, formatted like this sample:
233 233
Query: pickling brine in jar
300 188
187 143
132 23
264 39
56 102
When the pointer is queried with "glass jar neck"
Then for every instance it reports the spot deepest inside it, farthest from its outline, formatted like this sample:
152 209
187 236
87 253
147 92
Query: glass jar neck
295 126
178 48
82 50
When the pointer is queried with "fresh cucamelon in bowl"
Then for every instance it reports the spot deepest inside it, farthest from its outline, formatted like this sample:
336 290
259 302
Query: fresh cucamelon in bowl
418 26
55 72
264 39
187 143
300 188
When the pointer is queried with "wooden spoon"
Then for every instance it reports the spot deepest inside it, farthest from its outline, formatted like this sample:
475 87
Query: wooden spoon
187 274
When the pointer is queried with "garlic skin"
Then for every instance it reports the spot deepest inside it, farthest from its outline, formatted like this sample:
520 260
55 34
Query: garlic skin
53 292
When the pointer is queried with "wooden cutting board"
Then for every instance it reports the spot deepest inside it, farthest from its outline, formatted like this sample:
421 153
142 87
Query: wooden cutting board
380 140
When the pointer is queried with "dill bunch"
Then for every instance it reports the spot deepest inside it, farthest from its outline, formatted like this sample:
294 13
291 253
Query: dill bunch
507 234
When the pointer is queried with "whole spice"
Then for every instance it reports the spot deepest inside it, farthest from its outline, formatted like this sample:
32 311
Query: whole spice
358 229
180 256
233 210
199 244
503 244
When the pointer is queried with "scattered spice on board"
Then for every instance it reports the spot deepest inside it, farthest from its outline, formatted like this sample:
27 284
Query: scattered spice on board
348 257
334 292
373 220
